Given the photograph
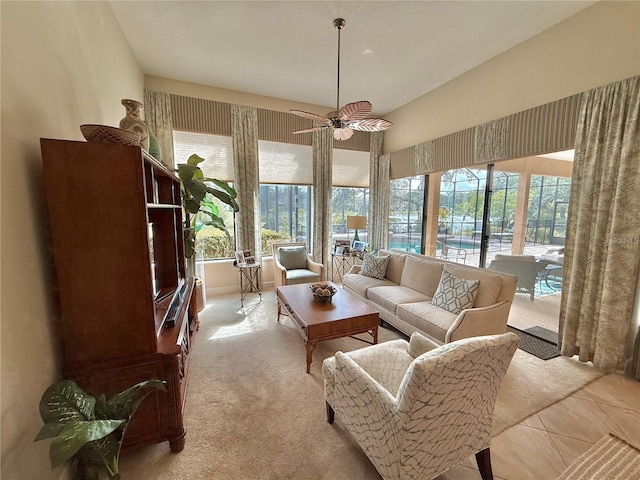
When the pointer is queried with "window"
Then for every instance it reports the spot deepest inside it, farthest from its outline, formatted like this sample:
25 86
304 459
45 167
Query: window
406 213
286 175
347 201
547 211
284 214
217 151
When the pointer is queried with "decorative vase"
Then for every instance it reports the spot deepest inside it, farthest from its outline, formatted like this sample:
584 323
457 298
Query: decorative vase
134 123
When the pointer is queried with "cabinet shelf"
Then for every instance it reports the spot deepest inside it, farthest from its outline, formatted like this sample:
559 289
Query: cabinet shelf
116 249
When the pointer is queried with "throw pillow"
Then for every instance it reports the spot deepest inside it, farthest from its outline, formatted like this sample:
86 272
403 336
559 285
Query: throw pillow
373 266
455 294
293 258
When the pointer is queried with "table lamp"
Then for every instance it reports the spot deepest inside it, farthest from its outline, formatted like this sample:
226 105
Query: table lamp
356 222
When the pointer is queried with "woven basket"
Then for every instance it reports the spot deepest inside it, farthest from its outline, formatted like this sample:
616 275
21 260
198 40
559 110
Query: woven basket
107 134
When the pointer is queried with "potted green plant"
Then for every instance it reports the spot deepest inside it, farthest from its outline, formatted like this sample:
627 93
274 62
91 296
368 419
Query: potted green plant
87 430
198 195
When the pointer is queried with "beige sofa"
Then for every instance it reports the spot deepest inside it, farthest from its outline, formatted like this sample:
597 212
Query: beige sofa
403 297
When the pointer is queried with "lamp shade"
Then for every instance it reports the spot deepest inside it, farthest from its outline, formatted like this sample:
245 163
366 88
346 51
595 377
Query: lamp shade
356 222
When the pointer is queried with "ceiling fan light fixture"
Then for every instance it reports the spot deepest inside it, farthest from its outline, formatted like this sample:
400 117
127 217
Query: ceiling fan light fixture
342 133
353 116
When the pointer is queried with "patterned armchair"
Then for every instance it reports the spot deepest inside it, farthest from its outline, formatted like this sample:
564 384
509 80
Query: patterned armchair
416 408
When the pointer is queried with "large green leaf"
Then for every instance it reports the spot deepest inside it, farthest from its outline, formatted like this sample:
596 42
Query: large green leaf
186 172
101 407
196 189
194 160
74 435
224 186
103 453
49 430
225 197
191 206
209 207
65 402
124 404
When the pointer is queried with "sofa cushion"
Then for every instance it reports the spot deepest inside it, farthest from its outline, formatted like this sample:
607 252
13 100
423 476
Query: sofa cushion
374 266
421 274
490 282
395 266
438 323
455 294
293 257
360 283
389 297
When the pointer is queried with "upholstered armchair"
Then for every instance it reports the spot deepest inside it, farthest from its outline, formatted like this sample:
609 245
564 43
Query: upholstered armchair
416 408
292 264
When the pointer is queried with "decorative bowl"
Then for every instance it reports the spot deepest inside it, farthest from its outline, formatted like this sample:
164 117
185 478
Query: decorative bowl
322 291
107 134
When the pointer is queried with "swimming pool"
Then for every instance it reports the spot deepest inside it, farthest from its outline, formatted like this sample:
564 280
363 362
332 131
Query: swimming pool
471 247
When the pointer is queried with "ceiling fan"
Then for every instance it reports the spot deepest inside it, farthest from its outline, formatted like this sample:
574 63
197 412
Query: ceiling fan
353 116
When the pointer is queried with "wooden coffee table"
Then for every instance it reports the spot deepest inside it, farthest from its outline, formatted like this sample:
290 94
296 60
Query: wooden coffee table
344 316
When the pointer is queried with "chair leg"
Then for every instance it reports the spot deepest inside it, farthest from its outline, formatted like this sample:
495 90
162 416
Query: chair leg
483 458
330 413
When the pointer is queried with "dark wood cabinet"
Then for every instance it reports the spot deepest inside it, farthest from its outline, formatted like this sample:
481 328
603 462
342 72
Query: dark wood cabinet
127 311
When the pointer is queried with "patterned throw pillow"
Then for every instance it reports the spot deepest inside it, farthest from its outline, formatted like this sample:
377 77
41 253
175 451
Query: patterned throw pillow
373 266
455 294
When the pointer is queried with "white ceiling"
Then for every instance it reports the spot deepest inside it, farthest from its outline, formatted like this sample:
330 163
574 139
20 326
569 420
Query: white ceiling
392 51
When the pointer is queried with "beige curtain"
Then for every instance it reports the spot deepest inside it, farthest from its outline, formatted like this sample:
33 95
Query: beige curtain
158 115
602 257
322 160
379 193
244 132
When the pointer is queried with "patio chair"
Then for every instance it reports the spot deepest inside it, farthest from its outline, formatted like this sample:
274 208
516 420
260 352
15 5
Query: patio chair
452 254
525 267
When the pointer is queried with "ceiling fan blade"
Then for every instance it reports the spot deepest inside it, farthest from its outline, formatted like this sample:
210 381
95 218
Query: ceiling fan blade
355 111
370 124
314 129
311 116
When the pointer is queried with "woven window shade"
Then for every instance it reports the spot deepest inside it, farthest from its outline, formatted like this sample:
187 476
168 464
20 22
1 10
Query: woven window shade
285 163
217 151
350 168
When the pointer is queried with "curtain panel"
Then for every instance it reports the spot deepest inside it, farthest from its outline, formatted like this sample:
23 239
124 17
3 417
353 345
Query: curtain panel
159 117
602 257
246 182
379 193
322 194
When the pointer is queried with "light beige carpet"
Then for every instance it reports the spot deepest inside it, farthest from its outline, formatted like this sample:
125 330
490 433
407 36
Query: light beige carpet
253 413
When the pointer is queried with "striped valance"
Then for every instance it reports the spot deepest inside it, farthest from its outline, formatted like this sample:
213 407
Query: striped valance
208 116
543 129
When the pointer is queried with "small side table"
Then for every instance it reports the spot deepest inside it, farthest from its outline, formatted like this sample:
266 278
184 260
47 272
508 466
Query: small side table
341 264
249 280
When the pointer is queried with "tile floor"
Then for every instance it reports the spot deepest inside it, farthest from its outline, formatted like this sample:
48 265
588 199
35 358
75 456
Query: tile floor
543 445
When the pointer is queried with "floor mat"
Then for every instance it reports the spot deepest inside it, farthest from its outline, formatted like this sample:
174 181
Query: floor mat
535 345
543 333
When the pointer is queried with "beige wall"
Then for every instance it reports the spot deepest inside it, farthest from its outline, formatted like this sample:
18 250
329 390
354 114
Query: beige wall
63 64
228 96
597 46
